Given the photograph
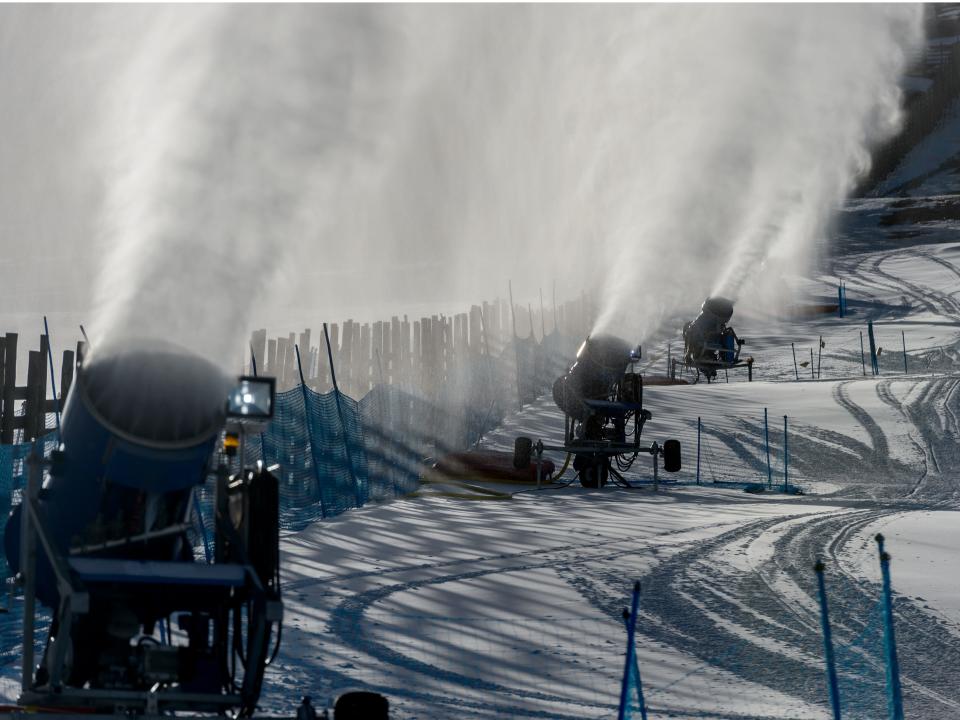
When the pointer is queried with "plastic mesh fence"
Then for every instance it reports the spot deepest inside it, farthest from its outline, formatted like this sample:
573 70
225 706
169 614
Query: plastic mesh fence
861 663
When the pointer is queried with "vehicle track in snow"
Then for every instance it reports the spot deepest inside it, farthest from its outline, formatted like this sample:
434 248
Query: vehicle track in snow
762 623
933 300
349 625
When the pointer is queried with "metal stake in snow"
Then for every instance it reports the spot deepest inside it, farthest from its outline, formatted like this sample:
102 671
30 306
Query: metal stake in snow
894 695
863 360
796 372
874 364
903 337
766 441
53 380
828 643
786 455
812 376
698 450
819 355
307 415
631 670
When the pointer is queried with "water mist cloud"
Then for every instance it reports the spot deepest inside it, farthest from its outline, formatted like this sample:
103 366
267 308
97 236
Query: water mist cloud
764 119
254 164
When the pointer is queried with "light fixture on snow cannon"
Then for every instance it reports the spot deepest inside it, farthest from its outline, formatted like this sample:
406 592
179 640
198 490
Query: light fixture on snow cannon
601 396
710 344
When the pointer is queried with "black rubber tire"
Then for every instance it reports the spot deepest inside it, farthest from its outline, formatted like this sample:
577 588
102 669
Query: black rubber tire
671 456
522 450
595 475
361 705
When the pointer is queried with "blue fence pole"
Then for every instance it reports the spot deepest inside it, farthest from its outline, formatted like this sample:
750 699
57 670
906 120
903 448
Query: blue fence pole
903 337
343 425
698 451
786 455
796 371
840 299
873 349
828 644
313 438
631 670
863 360
766 441
53 379
894 694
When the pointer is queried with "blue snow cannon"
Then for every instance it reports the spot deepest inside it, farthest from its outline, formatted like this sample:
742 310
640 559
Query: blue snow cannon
138 623
137 434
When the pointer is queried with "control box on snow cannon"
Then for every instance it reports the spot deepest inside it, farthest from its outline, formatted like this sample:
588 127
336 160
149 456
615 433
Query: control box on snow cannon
710 344
601 396
107 542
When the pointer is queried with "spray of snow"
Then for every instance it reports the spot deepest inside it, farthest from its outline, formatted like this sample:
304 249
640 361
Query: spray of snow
292 164
759 122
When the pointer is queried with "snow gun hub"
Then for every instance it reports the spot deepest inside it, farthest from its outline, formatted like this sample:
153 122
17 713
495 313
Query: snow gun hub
139 626
601 396
710 344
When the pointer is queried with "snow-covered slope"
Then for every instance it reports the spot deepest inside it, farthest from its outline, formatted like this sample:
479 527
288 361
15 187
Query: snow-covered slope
483 609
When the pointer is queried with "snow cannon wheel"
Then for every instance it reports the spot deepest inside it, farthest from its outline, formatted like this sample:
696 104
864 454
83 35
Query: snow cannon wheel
522 450
361 705
592 472
671 456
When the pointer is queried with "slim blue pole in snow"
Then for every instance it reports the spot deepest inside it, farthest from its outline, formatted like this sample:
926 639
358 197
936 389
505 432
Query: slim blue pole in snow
766 440
828 644
343 425
698 451
903 337
631 671
313 444
873 349
786 454
863 360
894 695
796 372
840 299
53 380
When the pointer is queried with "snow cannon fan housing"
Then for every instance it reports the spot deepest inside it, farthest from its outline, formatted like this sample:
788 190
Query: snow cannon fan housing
137 434
599 370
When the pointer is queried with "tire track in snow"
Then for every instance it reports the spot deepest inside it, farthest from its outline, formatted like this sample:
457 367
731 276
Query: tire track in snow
346 623
704 605
934 300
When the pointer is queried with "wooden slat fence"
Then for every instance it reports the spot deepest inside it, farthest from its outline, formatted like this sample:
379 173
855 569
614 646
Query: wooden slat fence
24 409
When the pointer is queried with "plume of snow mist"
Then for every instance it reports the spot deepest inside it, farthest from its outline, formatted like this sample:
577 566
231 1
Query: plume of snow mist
424 154
230 123
759 120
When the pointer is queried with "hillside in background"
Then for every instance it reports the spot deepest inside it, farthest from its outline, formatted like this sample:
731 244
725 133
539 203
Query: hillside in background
924 158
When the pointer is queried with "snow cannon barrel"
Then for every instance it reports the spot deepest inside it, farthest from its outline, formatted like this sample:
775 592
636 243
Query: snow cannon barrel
601 363
719 307
138 430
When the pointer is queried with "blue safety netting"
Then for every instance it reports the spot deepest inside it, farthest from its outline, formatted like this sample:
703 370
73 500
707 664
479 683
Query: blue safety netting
13 477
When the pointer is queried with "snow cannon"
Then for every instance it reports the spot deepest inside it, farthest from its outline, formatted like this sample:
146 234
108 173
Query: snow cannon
601 396
600 366
108 542
710 344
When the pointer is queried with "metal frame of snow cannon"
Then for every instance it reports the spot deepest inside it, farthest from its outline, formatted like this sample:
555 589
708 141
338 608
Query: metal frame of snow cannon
157 678
702 352
602 399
